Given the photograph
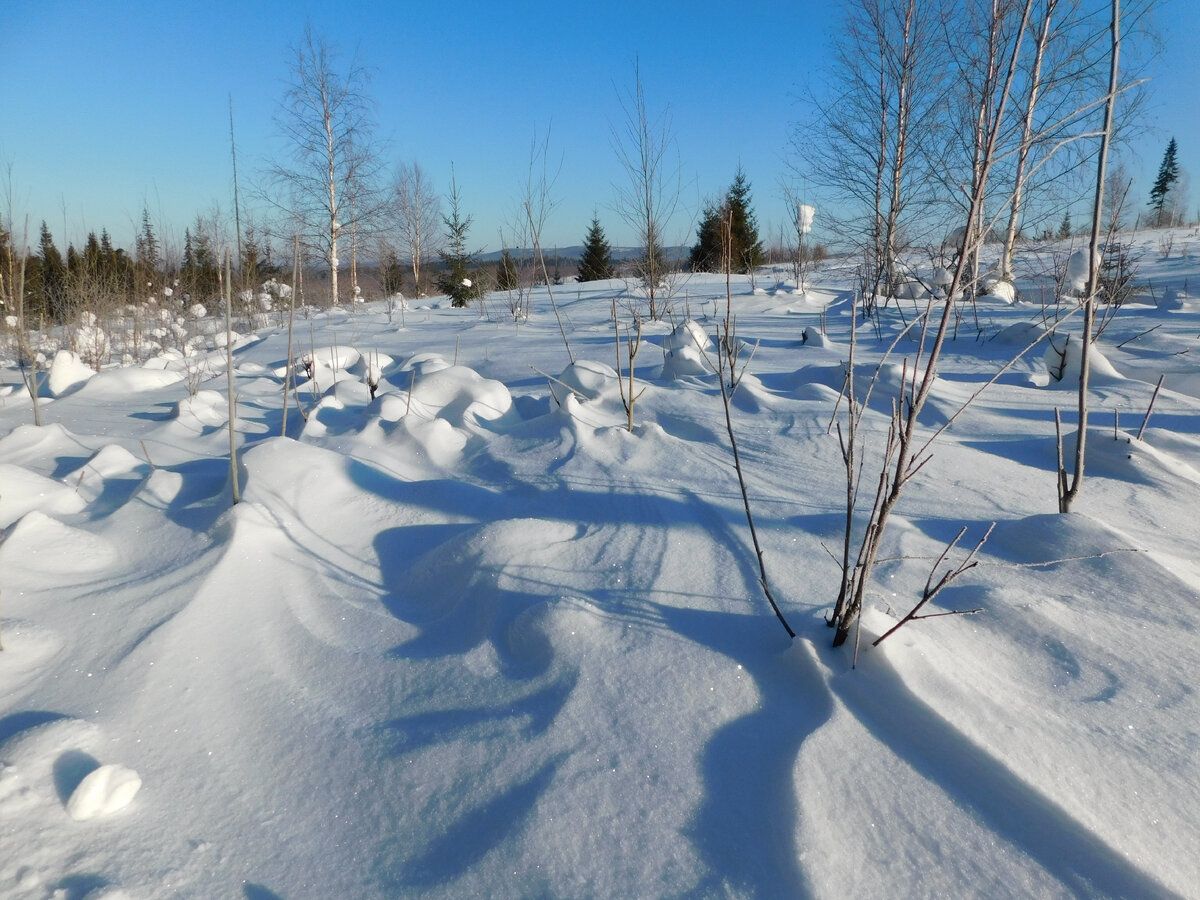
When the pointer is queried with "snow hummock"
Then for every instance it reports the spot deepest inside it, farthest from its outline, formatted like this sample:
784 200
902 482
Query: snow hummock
103 791
67 372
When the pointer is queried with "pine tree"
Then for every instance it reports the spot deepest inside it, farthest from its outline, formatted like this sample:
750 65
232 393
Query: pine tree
506 272
457 280
596 264
1064 230
1168 174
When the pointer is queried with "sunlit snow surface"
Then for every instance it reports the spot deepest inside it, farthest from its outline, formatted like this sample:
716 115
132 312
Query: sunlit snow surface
473 638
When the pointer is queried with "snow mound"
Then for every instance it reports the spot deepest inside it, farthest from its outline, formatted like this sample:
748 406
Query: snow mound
103 792
41 543
1174 299
1063 359
336 359
371 365
1019 334
686 347
911 290
461 396
584 379
67 373
424 364
439 441
205 408
116 383
24 491
999 291
814 337
113 460
30 445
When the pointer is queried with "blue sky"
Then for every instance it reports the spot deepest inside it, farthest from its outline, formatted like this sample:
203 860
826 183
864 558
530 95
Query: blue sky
109 107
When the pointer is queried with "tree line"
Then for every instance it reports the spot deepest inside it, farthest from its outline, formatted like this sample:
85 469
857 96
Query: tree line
890 149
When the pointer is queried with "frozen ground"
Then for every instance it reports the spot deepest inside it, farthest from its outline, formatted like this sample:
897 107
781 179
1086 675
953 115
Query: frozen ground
472 638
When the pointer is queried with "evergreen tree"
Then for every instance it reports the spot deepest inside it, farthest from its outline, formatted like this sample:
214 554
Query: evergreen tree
747 250
596 264
146 250
108 255
1168 174
734 213
53 277
458 279
1064 230
199 275
256 266
92 255
506 272
706 255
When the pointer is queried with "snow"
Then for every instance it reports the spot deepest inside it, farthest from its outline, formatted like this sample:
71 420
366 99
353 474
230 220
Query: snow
805 213
67 372
102 792
1078 270
474 637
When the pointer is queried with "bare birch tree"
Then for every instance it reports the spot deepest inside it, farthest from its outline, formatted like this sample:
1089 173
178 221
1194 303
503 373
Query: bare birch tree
328 183
1068 488
1002 35
904 453
417 214
650 195
871 146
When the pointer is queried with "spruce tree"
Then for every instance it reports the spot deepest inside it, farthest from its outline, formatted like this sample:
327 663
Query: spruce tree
53 277
506 272
92 256
747 250
1064 230
706 255
734 211
596 264
146 249
1168 174
457 280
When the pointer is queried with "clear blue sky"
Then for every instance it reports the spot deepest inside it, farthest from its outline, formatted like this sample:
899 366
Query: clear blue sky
109 107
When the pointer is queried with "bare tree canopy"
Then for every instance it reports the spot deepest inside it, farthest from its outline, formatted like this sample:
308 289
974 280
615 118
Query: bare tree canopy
416 210
328 186
647 200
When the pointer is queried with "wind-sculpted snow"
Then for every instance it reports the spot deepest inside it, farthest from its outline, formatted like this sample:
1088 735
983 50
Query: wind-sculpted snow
467 634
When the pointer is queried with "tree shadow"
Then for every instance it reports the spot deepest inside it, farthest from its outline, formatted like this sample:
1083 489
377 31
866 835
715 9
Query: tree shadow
258 892
745 827
478 831
977 781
